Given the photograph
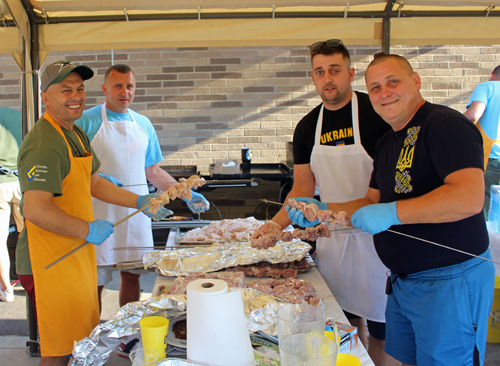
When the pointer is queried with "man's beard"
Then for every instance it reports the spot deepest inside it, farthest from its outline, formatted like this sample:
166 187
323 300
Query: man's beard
334 99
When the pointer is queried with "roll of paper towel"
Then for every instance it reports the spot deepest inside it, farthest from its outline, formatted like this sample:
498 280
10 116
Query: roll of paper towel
216 325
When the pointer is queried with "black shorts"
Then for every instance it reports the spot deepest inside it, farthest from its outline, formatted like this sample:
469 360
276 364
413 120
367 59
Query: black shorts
376 329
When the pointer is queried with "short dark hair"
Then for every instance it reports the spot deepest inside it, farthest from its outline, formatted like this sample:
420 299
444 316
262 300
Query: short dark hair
382 56
121 68
328 51
496 71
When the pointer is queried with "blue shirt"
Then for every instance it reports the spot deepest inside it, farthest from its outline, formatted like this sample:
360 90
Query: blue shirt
489 94
91 121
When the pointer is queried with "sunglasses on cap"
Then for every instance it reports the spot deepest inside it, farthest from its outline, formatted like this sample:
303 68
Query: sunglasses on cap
331 43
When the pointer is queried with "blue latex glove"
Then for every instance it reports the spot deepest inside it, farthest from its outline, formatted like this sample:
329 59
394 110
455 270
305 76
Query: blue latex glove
99 230
144 200
111 179
376 218
197 198
298 217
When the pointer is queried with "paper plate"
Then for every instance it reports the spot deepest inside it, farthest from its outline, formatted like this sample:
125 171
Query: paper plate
345 359
171 339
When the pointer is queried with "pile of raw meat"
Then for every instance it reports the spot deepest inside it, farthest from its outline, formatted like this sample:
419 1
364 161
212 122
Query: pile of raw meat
225 230
274 270
291 290
233 280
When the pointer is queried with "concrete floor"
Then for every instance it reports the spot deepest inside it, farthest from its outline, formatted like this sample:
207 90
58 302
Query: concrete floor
14 329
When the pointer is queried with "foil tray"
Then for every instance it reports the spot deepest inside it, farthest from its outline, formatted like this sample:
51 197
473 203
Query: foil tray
213 258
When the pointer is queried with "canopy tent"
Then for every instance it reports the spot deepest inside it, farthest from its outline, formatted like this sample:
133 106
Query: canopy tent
30 29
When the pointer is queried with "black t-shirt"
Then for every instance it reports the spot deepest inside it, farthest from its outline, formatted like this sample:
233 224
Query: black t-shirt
415 161
337 129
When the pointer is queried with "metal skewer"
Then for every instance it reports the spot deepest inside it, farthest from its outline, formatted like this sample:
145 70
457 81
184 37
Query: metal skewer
274 202
441 245
148 184
414 237
84 244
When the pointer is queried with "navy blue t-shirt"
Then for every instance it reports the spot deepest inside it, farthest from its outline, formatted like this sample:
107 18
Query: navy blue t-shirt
414 161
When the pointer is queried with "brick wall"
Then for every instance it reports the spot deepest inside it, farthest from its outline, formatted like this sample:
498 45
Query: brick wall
206 103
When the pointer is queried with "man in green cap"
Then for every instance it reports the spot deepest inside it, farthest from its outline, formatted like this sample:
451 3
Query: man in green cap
58 177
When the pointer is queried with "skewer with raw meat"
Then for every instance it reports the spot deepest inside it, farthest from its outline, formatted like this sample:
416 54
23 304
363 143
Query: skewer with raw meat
275 234
313 213
182 189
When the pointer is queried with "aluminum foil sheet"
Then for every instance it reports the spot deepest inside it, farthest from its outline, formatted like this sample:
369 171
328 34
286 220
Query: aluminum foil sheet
219 256
95 350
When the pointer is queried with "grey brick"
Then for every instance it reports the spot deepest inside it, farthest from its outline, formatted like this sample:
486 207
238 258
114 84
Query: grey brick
10 96
148 98
161 77
211 97
148 84
291 74
80 58
211 126
258 89
169 148
195 119
178 98
226 75
10 82
197 133
177 69
162 105
173 84
225 61
229 104
209 68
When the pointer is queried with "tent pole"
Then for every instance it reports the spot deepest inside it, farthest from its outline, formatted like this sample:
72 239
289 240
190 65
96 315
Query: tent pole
386 26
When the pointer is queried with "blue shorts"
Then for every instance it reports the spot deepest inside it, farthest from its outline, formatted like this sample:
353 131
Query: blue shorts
440 317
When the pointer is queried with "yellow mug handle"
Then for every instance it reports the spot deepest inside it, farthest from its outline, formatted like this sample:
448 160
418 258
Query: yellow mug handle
333 335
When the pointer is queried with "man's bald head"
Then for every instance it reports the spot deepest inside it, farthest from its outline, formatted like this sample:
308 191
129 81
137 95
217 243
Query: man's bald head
380 57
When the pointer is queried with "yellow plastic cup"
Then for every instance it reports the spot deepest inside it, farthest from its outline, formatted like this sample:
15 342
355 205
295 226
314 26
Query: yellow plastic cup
345 359
154 330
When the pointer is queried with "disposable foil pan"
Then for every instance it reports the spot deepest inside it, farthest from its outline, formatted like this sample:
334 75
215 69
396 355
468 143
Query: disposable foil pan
219 256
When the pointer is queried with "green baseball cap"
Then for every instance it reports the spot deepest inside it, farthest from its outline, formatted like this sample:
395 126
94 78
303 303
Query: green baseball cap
57 71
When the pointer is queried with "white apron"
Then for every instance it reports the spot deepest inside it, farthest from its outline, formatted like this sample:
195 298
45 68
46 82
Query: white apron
348 260
121 146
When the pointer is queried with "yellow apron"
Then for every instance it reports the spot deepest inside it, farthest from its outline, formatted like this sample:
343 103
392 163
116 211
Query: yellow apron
487 145
66 294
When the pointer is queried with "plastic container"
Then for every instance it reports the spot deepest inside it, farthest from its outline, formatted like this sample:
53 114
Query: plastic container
494 212
494 318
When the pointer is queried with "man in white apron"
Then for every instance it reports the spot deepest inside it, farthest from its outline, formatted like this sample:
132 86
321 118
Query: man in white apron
424 208
332 150
127 145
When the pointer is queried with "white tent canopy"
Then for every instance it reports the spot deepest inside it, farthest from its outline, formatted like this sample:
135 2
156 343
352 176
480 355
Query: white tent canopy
96 24
30 29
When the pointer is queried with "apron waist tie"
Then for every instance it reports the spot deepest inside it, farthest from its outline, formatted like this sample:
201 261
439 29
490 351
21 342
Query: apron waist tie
388 286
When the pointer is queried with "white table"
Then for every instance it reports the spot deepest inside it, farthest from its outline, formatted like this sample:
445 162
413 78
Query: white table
333 309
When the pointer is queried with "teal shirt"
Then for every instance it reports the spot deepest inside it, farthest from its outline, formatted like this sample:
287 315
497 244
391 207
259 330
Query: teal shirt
91 121
10 140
